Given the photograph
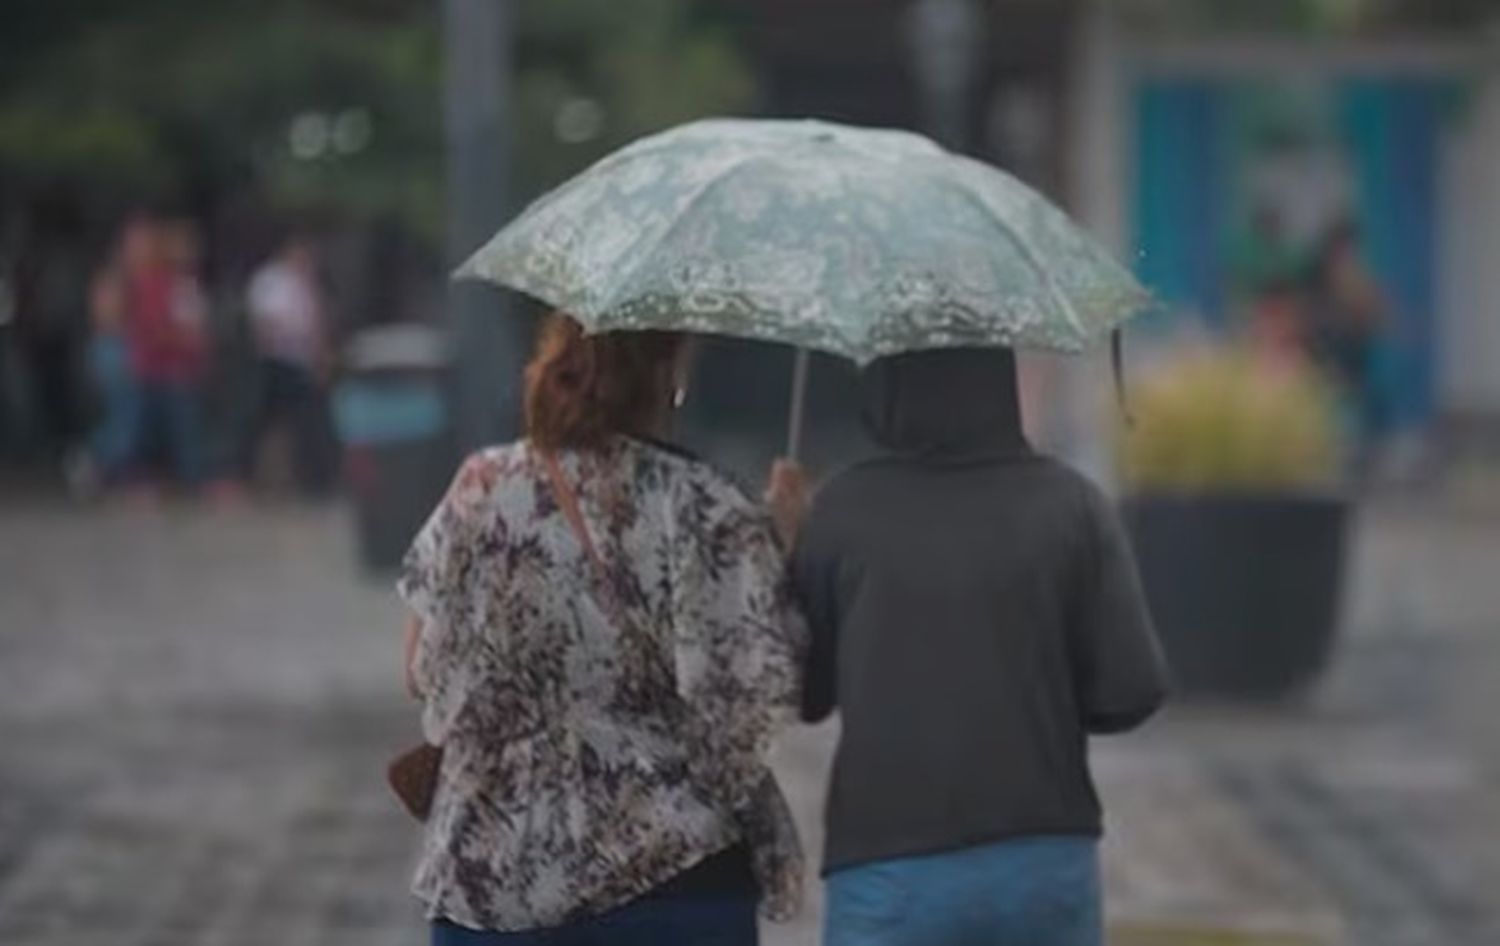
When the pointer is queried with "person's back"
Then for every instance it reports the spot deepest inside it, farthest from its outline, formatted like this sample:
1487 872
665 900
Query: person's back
975 615
606 645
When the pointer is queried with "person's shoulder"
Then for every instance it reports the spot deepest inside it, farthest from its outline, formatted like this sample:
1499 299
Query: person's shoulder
725 486
1083 502
696 480
498 461
485 472
1070 485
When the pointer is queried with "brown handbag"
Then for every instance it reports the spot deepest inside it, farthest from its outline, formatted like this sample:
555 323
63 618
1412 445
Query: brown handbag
413 775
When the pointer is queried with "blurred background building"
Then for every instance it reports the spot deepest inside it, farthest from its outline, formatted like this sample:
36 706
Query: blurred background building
1176 130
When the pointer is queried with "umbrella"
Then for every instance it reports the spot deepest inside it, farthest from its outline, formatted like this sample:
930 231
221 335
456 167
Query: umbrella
857 242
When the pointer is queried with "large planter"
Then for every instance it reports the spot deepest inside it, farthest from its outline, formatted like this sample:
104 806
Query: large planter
1245 590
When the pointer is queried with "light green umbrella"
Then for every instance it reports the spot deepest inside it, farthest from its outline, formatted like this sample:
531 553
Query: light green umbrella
858 242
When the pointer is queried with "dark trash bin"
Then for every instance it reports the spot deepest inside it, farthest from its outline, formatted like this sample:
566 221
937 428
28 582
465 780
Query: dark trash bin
392 418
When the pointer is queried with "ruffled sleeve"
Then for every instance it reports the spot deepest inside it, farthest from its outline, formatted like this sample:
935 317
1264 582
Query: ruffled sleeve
438 582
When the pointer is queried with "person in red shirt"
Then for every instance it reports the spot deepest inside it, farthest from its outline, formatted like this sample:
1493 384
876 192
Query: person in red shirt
164 326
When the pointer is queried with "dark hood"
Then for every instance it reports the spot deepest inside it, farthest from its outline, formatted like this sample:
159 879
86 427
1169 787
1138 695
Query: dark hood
952 402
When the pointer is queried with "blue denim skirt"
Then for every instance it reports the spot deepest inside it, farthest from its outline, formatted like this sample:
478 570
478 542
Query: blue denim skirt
1023 892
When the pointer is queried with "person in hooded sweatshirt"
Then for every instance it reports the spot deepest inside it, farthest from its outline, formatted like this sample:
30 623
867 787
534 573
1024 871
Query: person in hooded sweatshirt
976 616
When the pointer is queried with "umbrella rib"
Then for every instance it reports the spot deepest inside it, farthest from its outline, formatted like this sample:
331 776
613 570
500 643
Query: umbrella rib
671 228
999 222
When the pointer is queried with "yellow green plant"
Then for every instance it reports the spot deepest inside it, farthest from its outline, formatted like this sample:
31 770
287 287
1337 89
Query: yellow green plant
1223 421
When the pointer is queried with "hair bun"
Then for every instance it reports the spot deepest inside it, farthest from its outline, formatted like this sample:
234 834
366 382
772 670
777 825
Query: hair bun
582 389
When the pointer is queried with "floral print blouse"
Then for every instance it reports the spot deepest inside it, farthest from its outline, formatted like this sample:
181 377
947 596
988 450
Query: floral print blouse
603 729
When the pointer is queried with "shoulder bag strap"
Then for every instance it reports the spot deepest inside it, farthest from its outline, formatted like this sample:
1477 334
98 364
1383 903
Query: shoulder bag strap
567 501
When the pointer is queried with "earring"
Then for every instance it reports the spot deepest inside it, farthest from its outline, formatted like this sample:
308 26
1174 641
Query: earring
679 398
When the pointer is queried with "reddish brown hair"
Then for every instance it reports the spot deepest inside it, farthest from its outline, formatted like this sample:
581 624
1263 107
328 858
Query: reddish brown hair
582 389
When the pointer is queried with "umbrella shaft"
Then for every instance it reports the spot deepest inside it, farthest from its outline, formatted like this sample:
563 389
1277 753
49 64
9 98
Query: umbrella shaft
799 403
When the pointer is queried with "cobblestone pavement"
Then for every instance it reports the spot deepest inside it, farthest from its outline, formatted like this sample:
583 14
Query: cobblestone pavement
195 713
195 708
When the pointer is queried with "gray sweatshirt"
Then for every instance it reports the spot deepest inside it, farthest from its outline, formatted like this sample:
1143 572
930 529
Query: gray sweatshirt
976 614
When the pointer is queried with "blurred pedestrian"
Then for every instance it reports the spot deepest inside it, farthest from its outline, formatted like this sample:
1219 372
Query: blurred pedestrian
288 316
1349 318
604 644
113 443
165 323
1263 255
976 615
1278 329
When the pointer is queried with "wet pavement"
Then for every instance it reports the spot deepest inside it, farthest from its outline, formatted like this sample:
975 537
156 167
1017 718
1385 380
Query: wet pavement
195 708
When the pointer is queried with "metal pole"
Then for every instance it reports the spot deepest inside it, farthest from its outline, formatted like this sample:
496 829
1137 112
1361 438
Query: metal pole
799 404
489 348
947 40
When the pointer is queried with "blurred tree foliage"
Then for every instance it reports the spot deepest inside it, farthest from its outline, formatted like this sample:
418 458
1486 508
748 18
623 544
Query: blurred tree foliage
196 101
1308 16
326 105
123 100
594 74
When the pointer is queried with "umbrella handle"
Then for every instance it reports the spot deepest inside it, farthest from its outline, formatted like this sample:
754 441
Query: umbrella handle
799 402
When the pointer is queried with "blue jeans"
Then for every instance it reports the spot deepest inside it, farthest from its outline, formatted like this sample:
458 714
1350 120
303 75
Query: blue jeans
115 440
169 421
1024 892
666 921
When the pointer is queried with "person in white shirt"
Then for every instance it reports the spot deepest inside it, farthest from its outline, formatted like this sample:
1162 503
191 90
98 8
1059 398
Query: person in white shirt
289 327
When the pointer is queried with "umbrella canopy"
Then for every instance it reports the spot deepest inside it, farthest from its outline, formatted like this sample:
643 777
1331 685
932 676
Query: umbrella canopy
857 242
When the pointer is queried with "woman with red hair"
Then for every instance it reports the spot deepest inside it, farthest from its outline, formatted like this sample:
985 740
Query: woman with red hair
604 645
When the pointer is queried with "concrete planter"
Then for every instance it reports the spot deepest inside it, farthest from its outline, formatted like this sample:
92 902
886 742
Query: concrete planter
1245 589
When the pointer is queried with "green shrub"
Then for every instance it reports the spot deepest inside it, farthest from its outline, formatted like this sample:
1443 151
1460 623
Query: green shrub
1222 421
